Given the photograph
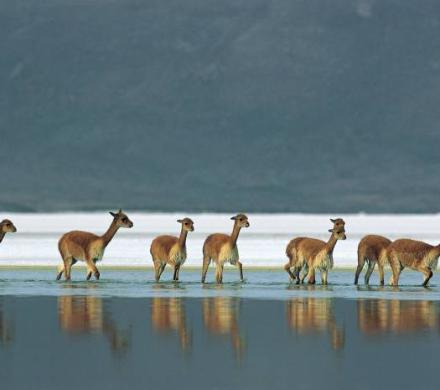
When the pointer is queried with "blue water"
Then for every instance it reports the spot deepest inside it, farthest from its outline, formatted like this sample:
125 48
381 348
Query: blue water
259 284
125 331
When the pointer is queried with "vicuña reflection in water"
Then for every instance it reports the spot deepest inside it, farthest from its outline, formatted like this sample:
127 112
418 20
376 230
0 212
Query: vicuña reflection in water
85 314
393 316
220 317
6 328
314 316
168 315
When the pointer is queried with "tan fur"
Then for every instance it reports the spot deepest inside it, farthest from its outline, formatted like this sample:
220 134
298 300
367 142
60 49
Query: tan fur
88 247
168 314
222 248
220 319
78 315
6 226
372 249
312 254
311 316
417 255
383 316
171 250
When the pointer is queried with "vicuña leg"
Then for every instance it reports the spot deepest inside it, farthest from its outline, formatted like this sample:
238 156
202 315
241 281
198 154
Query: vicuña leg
287 268
91 267
370 269
158 268
206 262
67 267
219 273
361 263
381 274
428 275
240 269
311 276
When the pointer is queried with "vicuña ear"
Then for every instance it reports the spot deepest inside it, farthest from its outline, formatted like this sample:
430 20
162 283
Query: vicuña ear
233 218
120 211
330 230
179 220
112 214
332 220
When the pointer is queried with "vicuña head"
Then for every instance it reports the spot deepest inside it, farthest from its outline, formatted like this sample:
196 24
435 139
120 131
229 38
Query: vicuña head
6 226
337 222
187 224
88 247
338 233
121 220
241 220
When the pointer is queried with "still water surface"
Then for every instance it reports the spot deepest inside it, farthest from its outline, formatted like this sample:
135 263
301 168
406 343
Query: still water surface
126 332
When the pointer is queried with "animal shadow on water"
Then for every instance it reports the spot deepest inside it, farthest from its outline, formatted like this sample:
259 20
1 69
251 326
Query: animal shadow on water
168 316
84 315
314 316
221 319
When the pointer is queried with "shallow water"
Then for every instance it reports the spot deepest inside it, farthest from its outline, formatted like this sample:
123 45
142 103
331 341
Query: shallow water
259 284
219 342
125 331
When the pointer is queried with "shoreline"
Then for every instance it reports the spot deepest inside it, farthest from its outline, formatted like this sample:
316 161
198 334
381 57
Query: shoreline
151 268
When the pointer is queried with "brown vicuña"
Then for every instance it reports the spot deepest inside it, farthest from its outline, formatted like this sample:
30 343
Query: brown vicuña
88 247
6 226
372 249
312 254
171 250
222 248
417 255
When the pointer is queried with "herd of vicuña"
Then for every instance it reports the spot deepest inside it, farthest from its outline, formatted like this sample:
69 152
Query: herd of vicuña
305 255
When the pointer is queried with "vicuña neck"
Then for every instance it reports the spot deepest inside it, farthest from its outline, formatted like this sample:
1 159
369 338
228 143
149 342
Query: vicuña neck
235 233
110 233
331 243
182 237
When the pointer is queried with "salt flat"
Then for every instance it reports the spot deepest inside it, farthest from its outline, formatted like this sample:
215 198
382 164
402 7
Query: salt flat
261 245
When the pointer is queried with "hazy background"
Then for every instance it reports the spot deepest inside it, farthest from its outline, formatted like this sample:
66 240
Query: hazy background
257 105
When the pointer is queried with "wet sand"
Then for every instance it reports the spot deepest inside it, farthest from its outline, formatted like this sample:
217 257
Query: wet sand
169 340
